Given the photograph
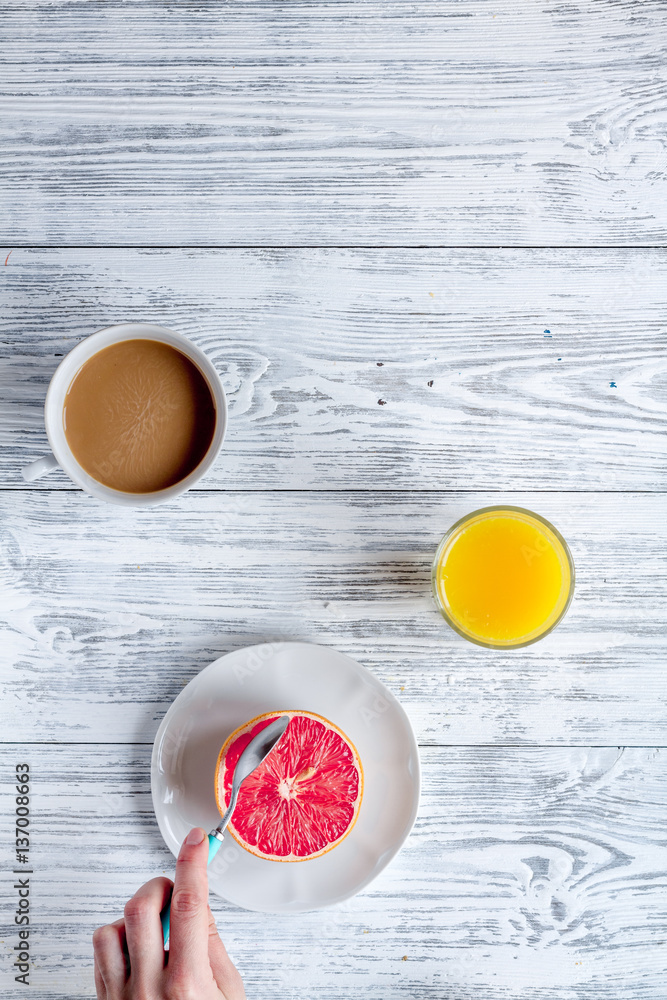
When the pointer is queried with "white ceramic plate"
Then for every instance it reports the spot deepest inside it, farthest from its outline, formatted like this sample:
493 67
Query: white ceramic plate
273 677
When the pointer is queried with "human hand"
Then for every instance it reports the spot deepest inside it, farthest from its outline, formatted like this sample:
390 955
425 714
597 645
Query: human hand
130 960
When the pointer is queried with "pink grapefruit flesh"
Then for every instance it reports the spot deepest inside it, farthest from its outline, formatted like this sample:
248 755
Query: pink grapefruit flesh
303 800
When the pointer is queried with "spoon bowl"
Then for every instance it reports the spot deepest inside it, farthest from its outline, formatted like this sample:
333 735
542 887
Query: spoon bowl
254 754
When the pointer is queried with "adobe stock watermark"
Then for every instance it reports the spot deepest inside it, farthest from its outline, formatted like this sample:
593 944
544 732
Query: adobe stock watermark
224 859
255 658
633 285
536 550
332 924
22 883
369 713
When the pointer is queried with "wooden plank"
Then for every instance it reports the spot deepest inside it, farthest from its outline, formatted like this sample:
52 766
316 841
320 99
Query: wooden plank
532 874
109 612
313 123
378 370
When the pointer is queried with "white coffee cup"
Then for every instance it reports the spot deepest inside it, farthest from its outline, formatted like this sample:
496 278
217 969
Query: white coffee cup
55 401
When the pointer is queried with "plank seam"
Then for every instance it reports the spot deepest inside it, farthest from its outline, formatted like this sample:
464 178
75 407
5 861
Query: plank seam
334 246
340 489
422 746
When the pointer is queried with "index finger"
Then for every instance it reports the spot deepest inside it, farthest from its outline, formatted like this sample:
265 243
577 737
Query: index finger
188 939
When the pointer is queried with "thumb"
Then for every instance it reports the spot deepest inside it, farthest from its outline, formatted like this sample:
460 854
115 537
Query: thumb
188 943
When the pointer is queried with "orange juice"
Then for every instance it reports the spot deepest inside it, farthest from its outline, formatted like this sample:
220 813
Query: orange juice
503 576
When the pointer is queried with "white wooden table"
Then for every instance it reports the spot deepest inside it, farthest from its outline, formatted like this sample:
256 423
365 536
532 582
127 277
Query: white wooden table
424 243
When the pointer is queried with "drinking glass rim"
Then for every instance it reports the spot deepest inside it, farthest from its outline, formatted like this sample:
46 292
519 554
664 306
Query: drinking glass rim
501 508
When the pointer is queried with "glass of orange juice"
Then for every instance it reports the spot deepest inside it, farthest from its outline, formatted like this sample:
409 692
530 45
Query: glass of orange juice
503 577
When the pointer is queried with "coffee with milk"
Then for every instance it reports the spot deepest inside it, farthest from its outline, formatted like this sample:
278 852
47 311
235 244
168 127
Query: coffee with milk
139 416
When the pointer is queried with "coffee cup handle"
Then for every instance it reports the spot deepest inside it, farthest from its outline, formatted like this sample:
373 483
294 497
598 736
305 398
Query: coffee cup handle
39 468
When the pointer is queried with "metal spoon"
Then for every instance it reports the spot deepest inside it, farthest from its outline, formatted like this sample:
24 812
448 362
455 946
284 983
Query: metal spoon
254 754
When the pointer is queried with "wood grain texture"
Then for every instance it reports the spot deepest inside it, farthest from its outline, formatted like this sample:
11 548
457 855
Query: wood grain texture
384 369
108 612
375 395
334 123
532 874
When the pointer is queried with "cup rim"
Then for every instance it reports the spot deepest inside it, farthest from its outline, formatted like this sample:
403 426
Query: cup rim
67 370
454 529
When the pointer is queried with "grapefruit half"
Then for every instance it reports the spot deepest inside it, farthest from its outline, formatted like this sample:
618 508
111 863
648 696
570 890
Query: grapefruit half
303 799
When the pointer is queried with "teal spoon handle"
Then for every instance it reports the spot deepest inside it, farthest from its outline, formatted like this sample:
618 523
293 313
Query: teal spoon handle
214 844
